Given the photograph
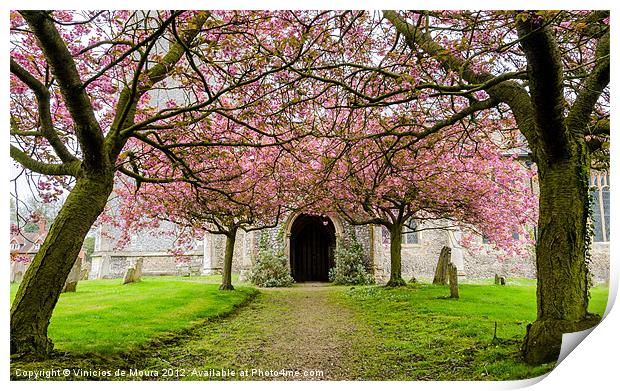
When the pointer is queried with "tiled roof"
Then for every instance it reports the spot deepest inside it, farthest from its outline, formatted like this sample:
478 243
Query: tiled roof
28 242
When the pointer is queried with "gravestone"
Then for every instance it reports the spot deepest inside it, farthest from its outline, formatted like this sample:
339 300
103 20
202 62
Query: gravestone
500 280
442 266
454 282
74 276
18 269
134 273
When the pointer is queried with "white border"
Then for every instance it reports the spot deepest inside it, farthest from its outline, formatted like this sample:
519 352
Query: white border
592 365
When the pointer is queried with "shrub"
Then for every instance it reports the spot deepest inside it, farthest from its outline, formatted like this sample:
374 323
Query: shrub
270 269
350 269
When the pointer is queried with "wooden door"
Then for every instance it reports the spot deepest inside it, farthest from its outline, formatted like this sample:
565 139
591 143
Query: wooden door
311 248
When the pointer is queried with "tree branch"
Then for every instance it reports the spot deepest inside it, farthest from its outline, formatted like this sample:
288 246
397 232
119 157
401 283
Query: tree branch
544 66
507 91
591 88
72 168
142 178
45 117
78 103
125 109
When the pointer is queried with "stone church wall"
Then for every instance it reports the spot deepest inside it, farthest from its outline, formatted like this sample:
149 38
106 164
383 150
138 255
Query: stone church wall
418 260
599 265
105 265
243 255
486 266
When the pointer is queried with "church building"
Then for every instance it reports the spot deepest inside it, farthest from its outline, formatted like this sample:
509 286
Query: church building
308 241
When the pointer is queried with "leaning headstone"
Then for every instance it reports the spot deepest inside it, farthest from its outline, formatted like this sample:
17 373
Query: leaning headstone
496 279
134 273
18 269
442 266
74 276
454 282
130 276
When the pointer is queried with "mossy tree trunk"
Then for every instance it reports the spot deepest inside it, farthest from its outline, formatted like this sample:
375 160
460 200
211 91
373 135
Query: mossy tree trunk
396 239
231 236
556 131
93 170
563 161
43 282
562 291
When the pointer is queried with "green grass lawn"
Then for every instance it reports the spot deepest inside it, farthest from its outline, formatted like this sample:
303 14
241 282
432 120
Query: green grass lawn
422 334
105 316
408 333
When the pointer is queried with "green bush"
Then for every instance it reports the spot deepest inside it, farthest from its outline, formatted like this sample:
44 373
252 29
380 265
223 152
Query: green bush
350 269
270 269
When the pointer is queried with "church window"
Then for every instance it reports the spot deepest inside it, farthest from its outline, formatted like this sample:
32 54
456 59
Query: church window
599 191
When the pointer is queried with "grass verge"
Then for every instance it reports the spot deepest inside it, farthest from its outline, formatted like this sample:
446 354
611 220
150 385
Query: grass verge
107 317
421 334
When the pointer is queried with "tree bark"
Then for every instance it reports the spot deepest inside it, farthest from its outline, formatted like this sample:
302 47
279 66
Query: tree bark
38 293
563 168
228 258
558 148
562 272
396 238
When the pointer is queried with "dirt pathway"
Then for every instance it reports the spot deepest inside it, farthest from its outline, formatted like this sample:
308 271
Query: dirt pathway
294 333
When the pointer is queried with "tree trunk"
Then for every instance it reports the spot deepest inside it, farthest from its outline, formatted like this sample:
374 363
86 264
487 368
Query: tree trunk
38 293
562 273
228 258
442 266
396 238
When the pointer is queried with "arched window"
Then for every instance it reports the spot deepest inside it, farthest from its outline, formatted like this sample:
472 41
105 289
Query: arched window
410 235
606 215
599 191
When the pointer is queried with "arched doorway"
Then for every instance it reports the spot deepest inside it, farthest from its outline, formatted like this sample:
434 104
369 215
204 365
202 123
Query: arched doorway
313 240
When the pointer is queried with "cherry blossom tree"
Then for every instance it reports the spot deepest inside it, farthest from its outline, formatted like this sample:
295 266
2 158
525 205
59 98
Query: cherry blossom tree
96 95
470 183
547 70
235 189
93 93
563 113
